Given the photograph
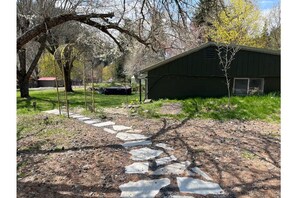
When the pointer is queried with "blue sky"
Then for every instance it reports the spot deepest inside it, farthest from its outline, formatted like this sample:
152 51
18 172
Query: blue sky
267 4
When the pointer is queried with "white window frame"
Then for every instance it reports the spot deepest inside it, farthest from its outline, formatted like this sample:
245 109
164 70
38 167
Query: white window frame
248 84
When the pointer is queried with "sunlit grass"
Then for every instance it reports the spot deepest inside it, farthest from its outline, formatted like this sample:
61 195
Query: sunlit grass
266 107
47 100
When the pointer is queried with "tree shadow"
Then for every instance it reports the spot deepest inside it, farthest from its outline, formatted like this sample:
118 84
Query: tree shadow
60 190
63 150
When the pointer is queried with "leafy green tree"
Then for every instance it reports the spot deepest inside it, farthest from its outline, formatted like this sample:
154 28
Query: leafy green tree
65 56
238 23
119 68
47 63
108 72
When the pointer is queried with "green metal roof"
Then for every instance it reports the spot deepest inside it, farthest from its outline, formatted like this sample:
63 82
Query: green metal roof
253 49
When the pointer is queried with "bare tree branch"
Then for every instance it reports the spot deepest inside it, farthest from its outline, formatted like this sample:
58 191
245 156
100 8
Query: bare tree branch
52 22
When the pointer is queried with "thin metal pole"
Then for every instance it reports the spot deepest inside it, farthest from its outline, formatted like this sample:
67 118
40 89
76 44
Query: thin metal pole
57 86
67 106
93 102
85 89
139 90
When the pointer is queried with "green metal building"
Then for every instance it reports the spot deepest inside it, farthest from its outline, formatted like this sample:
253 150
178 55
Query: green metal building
197 72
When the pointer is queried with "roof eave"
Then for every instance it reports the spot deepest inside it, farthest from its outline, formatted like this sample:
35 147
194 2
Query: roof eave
260 50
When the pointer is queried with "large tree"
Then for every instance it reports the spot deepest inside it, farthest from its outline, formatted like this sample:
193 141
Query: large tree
106 16
27 63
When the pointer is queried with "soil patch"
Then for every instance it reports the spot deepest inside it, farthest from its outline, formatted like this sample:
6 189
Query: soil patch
171 108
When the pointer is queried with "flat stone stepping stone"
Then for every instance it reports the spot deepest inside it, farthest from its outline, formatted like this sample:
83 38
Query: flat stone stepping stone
172 169
65 113
144 154
120 128
54 111
180 196
143 188
76 116
130 136
137 167
91 121
137 143
200 172
109 131
134 131
164 146
103 124
165 160
197 186
83 118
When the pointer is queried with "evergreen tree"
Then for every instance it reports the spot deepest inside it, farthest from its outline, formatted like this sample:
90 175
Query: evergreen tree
206 12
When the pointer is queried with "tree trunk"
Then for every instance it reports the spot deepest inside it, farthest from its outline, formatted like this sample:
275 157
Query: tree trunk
24 88
68 82
23 75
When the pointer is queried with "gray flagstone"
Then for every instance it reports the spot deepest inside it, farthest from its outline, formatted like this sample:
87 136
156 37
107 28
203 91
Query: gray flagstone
120 128
137 167
143 188
137 143
197 186
172 169
144 154
103 124
165 160
130 136
109 131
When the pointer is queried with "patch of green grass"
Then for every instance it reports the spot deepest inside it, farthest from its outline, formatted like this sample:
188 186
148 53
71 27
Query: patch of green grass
266 108
20 166
43 132
39 126
149 110
248 155
47 100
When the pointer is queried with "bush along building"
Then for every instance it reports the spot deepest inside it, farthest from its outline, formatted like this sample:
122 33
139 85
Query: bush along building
197 73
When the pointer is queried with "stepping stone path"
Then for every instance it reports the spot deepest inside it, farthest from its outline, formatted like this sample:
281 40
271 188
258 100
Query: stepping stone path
137 143
150 160
130 136
144 154
137 167
143 188
190 185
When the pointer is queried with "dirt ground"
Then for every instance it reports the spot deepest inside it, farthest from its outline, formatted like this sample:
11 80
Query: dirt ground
85 161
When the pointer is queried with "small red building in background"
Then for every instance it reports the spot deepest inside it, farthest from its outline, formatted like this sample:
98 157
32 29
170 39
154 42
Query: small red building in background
48 82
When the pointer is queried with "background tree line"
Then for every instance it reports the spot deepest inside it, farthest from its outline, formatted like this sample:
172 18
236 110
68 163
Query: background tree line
126 36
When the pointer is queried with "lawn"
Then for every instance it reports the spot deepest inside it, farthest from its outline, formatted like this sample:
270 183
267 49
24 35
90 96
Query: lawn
47 99
265 108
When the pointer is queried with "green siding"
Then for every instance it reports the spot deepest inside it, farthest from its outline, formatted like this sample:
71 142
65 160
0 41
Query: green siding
272 85
199 74
179 87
